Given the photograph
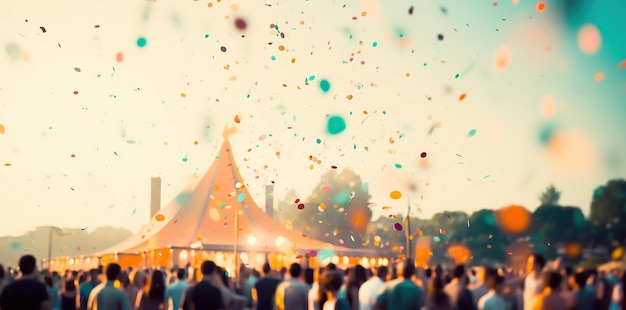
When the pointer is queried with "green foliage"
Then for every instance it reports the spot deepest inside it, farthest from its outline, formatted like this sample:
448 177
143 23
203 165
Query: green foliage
550 197
336 211
608 209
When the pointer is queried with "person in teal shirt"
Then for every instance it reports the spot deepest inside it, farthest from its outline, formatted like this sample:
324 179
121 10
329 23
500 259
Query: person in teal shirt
402 293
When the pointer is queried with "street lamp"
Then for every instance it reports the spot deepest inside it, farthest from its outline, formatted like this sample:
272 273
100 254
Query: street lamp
59 231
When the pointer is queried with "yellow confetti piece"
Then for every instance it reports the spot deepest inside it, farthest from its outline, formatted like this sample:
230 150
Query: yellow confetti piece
2 129
159 217
183 95
395 195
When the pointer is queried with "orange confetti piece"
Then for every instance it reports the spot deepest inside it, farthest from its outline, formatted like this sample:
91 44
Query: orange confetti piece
349 97
7 164
210 4
462 97
277 153
541 6
293 60
2 129
237 120
159 217
75 92
119 57
598 77
183 95
281 48
364 13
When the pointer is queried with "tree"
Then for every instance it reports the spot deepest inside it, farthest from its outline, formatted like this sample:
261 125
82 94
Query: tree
608 209
550 197
555 225
336 210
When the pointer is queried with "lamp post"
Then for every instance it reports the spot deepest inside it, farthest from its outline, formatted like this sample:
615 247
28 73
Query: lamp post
408 230
60 232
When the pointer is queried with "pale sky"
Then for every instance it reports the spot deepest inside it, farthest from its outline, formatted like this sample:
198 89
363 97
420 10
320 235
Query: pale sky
127 113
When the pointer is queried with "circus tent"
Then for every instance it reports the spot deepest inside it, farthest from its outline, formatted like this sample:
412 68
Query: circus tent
214 215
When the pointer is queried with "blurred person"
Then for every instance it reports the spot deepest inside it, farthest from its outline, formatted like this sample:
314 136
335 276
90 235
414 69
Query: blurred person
203 295
309 277
369 289
583 299
356 277
436 298
493 300
27 292
604 290
84 290
617 295
174 291
331 281
56 303
550 298
3 278
401 293
250 282
460 295
110 297
264 290
292 293
533 284
138 281
479 288
230 299
153 295
69 300
314 292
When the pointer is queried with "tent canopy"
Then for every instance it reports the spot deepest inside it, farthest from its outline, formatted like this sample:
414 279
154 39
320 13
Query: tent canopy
207 215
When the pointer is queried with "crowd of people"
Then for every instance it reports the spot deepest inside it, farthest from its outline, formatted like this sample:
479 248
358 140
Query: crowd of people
399 286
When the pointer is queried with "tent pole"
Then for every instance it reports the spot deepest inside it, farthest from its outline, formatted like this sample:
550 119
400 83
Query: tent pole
236 248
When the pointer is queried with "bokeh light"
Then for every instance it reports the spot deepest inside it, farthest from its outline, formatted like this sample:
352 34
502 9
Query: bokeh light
513 219
460 254
573 249
502 58
617 253
547 107
589 39
571 154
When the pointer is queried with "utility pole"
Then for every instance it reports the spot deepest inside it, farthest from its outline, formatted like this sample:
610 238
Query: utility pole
236 248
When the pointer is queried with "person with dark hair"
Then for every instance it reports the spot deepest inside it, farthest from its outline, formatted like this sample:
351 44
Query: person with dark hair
292 293
549 299
28 292
493 299
109 297
315 293
174 291
356 277
437 299
68 296
3 278
369 290
153 295
331 281
401 293
203 295
249 284
84 290
309 277
460 295
583 299
480 287
264 291
48 280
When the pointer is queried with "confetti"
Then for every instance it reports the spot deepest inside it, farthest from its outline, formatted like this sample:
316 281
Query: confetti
397 226
335 125
589 39
241 197
43 29
395 195
159 217
2 130
324 85
541 6
471 133
77 69
462 97
240 24
440 37
423 155
119 57
223 49
141 42
411 10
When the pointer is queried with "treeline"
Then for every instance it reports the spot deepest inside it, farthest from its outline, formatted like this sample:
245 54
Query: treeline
65 242
337 212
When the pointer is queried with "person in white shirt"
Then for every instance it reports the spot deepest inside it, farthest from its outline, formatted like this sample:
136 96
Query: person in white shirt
493 299
533 284
371 288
